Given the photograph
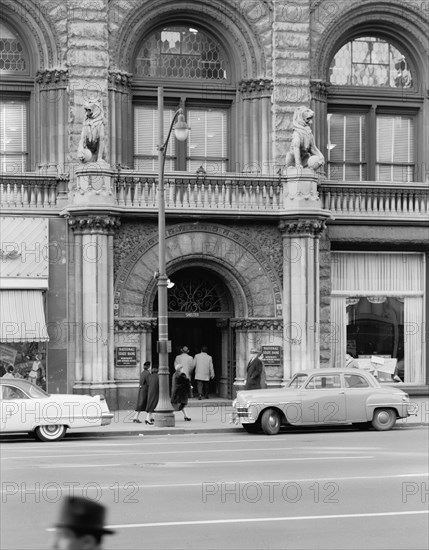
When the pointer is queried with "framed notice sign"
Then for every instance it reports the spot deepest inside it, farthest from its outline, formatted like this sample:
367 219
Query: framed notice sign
272 355
126 356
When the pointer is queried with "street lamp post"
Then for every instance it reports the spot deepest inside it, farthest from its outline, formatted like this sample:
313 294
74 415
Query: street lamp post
164 414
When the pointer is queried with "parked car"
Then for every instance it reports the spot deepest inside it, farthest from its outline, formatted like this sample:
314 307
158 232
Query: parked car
322 397
25 407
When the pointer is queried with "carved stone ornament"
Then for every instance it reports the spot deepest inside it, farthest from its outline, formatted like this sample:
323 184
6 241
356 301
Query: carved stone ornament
135 325
92 139
120 81
94 224
52 78
256 87
303 152
319 89
303 227
257 324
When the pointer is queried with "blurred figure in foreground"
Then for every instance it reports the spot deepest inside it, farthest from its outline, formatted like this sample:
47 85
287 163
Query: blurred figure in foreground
80 525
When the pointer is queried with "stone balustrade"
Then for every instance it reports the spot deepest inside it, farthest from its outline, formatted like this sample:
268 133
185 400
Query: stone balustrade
31 191
377 200
225 195
189 192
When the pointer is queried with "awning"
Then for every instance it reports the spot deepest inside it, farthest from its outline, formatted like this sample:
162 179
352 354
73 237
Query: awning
22 316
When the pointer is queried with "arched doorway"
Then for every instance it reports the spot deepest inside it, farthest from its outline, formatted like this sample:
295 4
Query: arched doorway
199 307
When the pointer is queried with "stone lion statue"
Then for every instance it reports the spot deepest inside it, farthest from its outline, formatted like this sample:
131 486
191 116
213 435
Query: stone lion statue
303 152
91 144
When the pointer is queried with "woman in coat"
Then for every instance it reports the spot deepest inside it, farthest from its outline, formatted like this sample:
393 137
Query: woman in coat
152 395
180 391
142 395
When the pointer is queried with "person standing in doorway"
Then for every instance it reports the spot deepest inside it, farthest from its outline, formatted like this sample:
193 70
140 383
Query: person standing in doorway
143 390
152 395
186 361
254 370
180 391
204 372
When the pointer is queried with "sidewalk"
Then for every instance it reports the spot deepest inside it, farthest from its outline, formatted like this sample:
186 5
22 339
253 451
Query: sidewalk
211 416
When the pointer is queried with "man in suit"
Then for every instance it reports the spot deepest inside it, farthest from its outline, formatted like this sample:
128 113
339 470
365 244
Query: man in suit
254 370
204 372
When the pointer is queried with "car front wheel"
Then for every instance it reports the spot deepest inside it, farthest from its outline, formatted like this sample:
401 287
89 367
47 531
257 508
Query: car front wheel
51 432
384 419
271 422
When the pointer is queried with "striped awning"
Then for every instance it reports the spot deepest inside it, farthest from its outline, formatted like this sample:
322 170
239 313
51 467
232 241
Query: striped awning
22 316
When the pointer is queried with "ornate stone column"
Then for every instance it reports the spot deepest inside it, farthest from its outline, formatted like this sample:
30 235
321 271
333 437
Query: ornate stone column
301 290
319 104
94 345
120 112
255 114
52 114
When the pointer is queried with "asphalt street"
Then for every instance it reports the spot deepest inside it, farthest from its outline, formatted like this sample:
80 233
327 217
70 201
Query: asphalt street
332 488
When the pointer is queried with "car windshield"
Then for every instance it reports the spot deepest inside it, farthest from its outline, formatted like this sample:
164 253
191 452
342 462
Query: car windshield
297 380
36 392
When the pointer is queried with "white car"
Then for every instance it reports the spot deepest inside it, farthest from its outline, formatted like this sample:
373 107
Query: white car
322 397
25 407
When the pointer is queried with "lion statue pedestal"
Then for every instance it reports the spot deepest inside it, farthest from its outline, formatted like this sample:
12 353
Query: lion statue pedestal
94 185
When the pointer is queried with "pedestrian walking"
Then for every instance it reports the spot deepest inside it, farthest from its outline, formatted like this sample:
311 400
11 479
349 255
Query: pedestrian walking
254 370
143 390
180 391
9 372
152 395
204 372
81 525
186 361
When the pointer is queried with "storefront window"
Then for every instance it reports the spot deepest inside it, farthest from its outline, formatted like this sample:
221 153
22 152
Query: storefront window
375 326
24 360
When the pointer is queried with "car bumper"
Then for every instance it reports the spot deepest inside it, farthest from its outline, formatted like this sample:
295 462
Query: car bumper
106 419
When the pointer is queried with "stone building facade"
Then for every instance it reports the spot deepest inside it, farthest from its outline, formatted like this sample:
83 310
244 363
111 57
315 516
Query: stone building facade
306 264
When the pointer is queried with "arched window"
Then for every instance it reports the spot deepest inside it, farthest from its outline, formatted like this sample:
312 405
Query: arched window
372 113
192 66
13 105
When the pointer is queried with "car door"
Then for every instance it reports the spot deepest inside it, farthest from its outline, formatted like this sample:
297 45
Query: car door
323 400
357 389
12 405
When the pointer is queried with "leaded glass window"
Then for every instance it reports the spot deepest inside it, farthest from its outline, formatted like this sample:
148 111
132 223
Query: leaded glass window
12 58
180 52
370 61
194 296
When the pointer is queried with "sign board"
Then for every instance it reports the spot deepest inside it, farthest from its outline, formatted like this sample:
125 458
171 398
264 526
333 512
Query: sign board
7 354
272 355
126 357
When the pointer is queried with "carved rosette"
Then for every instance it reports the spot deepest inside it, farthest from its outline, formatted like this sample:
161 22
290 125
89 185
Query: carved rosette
256 88
136 325
302 227
52 79
103 224
120 81
257 324
319 89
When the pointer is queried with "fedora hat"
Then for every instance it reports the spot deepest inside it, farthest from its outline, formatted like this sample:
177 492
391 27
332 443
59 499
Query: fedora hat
83 515
185 349
256 350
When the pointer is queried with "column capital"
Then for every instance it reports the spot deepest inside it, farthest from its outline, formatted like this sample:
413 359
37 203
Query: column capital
119 81
136 325
52 78
319 89
269 323
105 224
256 88
302 227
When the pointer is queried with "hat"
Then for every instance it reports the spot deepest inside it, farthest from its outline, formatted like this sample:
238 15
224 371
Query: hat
82 514
256 350
178 366
185 349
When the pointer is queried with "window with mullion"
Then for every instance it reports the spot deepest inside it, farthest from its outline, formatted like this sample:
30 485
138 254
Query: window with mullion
207 142
347 159
13 136
146 139
395 148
